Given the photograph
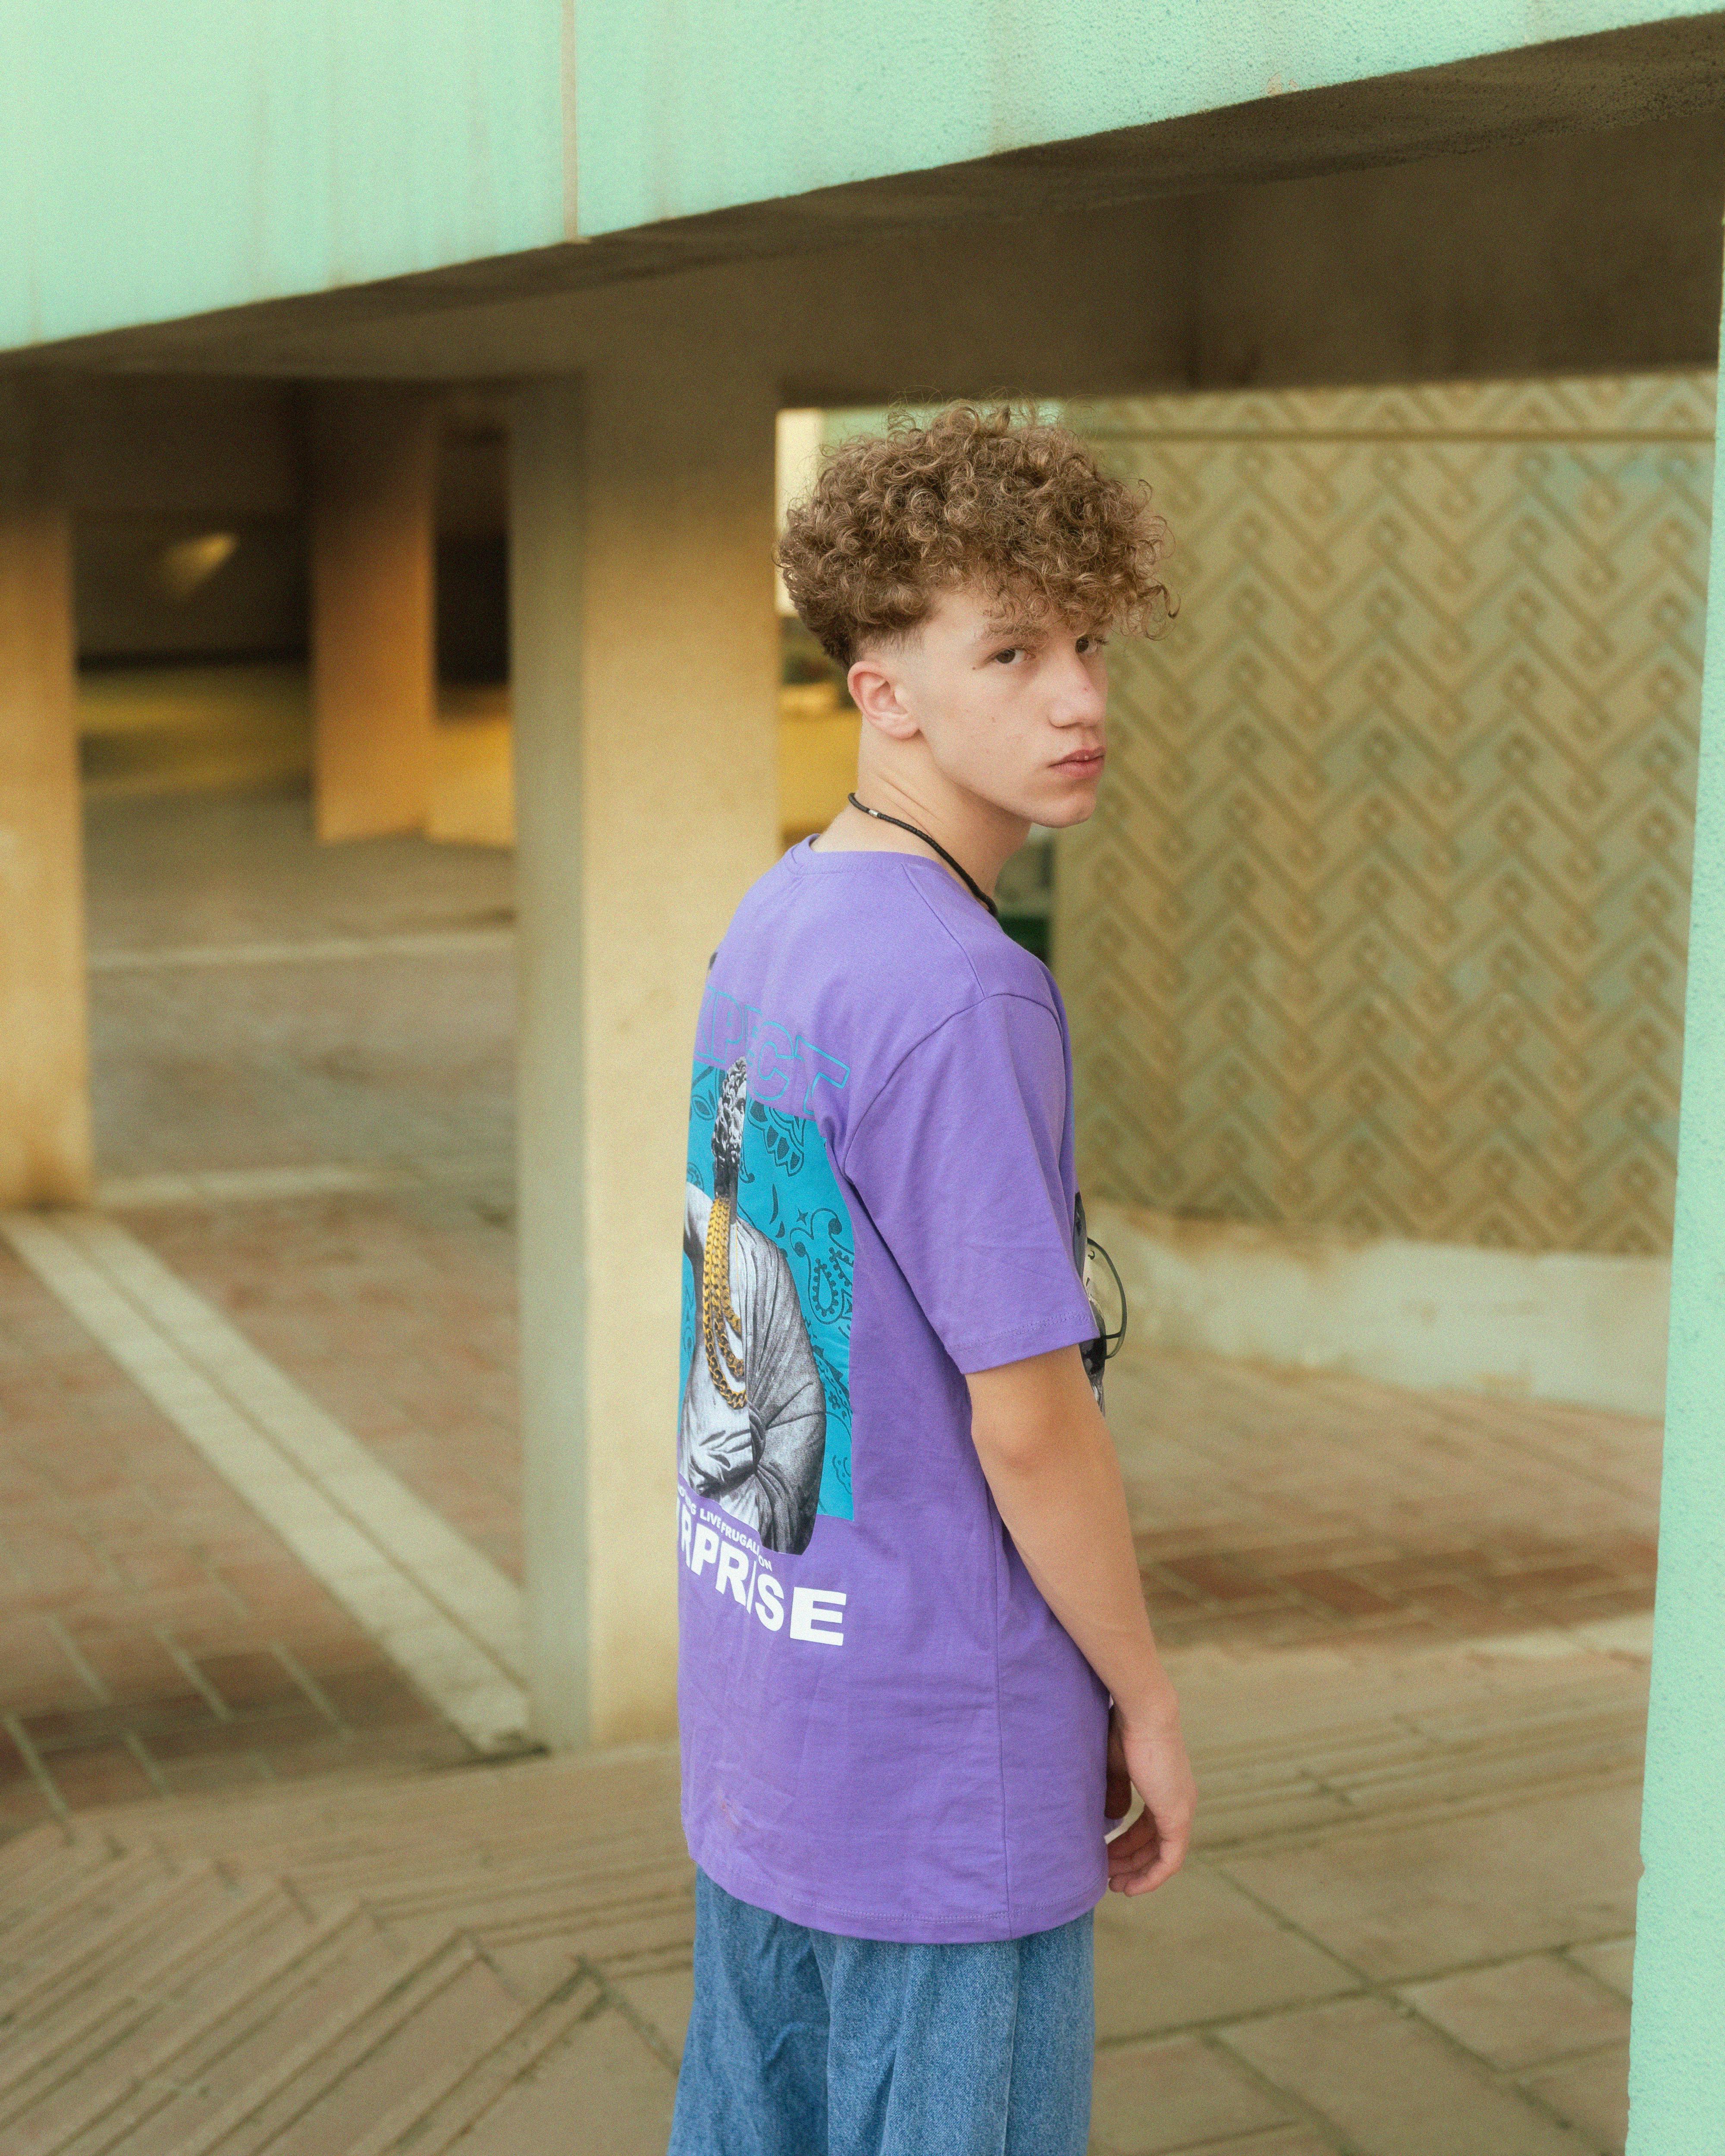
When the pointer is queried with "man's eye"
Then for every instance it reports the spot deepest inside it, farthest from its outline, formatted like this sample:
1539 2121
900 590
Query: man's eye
1006 657
1092 643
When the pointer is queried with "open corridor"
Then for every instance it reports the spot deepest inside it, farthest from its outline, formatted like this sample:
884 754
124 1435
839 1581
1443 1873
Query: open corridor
260 1560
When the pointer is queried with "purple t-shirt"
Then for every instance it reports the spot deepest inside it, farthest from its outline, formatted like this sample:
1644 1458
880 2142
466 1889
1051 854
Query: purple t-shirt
885 1730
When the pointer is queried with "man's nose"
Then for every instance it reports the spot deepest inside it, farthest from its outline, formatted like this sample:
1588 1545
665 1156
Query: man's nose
1079 696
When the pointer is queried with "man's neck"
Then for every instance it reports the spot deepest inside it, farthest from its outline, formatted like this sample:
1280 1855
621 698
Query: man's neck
975 832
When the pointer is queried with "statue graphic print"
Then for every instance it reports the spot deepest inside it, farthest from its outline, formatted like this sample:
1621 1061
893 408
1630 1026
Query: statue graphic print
752 1432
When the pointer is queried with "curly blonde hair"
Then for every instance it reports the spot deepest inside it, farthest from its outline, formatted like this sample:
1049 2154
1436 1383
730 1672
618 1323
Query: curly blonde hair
985 497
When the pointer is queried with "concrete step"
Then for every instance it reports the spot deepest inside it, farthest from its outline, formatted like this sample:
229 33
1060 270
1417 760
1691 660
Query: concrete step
246 2067
401 2049
183 2004
1363 1767
554 1886
79 2064
38 1905
39 1862
341 1813
85 1986
236 2050
451 2101
1432 1753
1389 1722
552 2106
571 1845
97 1926
366 1966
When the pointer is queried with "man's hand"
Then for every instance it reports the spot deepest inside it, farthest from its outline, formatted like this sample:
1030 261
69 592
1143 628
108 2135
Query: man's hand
1151 1758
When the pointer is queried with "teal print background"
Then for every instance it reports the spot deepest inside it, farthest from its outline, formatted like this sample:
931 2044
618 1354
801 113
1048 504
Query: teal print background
788 1191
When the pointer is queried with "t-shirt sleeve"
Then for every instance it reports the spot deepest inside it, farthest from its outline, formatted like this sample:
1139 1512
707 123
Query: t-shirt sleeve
958 1161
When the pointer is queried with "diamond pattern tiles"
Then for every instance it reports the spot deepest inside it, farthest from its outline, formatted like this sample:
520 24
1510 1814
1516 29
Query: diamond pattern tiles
1382 920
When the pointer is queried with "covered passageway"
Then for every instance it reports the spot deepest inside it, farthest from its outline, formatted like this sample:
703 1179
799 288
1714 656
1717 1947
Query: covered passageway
642 271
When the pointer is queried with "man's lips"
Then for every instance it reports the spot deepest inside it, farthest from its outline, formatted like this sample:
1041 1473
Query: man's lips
1083 759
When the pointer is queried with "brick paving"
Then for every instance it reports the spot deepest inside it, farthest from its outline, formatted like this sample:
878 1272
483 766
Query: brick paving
158 1636
396 1313
1272 1508
1277 1508
155 1637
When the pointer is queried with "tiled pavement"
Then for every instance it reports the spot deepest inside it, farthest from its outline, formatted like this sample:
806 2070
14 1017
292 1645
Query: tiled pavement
157 1636
1359 1588
375 1056
1274 1508
396 1310
201 870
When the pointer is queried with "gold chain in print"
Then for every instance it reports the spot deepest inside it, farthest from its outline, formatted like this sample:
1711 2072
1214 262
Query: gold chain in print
718 1320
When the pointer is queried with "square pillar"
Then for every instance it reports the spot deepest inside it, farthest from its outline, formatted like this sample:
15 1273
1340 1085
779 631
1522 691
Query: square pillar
644 683
373 608
44 1055
1677 2039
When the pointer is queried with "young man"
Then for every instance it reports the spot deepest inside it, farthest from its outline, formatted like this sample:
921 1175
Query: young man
909 1592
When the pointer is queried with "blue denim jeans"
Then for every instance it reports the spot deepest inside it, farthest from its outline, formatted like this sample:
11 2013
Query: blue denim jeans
803 2043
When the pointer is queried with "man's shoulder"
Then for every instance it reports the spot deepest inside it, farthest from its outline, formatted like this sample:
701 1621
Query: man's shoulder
879 960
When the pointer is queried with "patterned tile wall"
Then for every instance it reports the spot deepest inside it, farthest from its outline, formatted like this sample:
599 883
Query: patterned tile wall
1382 920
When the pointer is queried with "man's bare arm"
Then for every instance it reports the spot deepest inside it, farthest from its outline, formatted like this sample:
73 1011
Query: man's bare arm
1051 1465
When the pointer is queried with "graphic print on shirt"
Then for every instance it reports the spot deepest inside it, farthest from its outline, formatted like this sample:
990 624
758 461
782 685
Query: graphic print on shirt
764 1429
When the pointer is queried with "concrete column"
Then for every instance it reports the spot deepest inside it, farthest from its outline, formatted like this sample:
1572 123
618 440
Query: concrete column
44 1060
373 599
1677 2042
644 666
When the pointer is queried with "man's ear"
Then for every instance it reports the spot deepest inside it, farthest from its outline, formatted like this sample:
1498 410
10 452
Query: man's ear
876 688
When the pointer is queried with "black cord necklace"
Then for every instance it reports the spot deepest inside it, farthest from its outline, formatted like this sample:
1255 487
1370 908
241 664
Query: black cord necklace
957 868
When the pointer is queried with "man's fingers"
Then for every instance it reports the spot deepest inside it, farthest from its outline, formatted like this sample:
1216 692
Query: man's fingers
1129 1852
1159 1873
1162 1858
1143 1857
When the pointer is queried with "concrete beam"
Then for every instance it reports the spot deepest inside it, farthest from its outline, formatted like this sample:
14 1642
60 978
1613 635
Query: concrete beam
645 647
373 609
44 1065
444 154
1573 253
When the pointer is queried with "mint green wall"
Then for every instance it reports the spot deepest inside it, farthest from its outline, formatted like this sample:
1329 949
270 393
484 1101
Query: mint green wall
688 105
1677 2054
163 157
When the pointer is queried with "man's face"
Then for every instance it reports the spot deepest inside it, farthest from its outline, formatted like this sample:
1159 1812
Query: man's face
1011 704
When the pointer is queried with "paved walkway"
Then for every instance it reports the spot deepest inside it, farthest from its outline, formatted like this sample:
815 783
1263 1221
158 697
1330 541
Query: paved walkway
1405 1933
1275 1508
1411 1629
158 1635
